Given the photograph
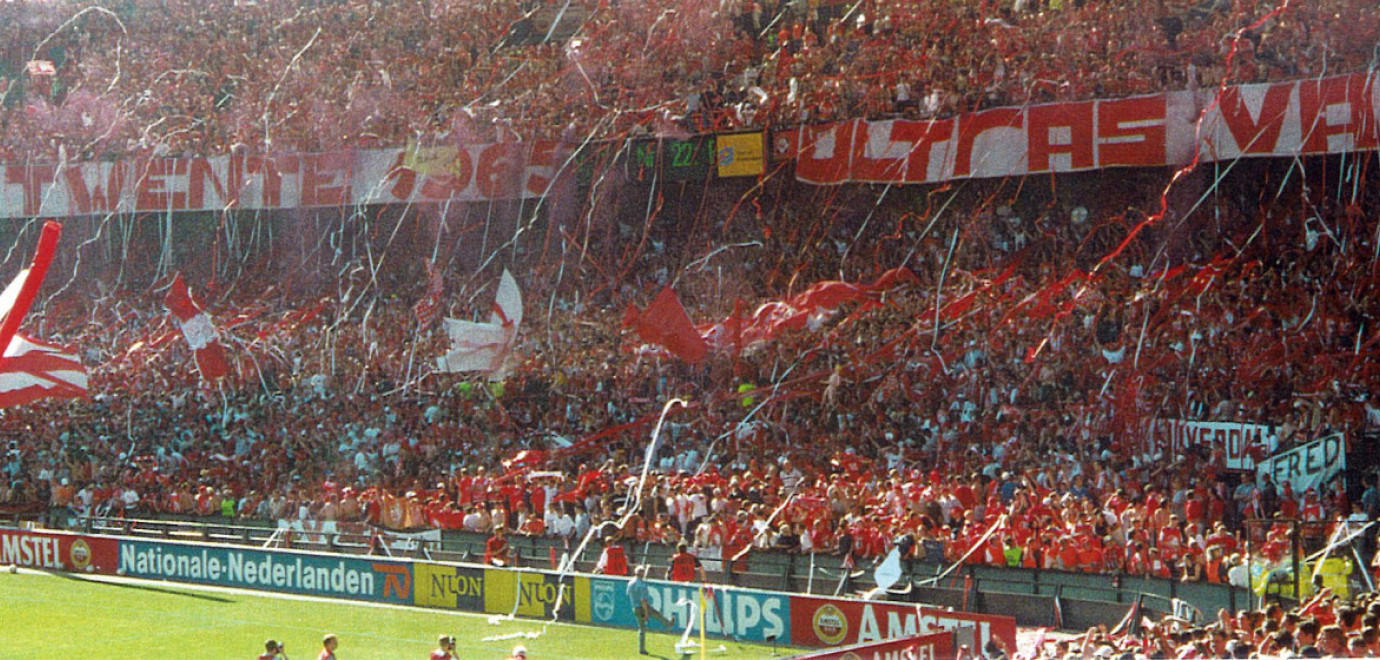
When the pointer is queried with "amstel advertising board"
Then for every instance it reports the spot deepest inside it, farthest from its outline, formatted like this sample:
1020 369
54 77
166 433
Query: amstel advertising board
58 551
843 621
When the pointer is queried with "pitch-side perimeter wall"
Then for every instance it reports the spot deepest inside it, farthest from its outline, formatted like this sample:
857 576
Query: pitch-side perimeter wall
747 614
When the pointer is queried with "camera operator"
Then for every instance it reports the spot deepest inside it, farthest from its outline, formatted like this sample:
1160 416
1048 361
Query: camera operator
273 650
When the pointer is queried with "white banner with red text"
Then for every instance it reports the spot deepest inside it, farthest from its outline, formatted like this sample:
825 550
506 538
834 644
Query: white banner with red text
508 170
1303 117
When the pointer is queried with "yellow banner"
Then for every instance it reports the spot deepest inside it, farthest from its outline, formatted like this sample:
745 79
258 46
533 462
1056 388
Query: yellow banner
451 587
533 594
740 154
436 160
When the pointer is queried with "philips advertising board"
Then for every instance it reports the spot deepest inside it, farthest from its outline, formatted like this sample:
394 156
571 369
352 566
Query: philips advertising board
281 571
756 616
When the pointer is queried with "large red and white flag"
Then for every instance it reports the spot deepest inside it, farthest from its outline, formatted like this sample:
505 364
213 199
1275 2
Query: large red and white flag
484 346
197 329
30 369
35 370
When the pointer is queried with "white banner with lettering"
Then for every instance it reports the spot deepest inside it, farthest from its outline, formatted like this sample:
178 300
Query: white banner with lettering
1307 466
1240 441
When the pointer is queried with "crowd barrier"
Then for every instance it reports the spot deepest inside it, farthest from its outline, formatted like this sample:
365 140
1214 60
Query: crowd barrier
745 614
1026 594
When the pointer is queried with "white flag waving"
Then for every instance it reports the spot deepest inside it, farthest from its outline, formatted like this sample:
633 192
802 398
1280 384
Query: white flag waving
484 346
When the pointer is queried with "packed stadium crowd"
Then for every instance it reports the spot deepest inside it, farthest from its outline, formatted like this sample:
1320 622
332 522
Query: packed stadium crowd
1324 626
138 79
994 406
1025 415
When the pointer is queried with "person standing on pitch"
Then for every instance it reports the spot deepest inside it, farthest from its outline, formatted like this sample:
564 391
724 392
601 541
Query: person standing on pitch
445 648
642 607
328 644
273 651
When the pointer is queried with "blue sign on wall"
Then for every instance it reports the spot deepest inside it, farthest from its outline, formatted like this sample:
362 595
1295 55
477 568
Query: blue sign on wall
290 572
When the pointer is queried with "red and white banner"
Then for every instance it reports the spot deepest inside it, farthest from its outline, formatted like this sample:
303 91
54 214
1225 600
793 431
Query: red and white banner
1318 116
31 369
933 646
40 68
819 621
339 179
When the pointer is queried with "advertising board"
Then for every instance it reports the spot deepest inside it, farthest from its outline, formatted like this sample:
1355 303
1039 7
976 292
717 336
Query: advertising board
58 551
750 615
921 647
282 571
817 621
451 587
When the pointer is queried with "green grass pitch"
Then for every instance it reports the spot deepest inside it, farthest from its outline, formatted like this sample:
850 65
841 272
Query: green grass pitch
60 616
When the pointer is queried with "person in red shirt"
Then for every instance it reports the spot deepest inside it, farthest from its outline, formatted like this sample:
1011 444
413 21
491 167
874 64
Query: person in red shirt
328 646
445 648
497 552
684 565
613 561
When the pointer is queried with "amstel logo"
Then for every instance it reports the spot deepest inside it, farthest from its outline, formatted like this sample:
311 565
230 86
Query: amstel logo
830 625
80 555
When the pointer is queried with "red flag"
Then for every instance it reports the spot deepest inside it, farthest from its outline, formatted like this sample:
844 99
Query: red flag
34 370
666 323
20 294
30 369
197 329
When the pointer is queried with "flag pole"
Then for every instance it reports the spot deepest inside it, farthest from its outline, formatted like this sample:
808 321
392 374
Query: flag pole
703 603
43 256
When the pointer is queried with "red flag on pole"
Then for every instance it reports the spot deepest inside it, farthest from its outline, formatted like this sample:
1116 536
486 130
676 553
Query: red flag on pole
197 329
666 323
20 294
30 369
35 370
